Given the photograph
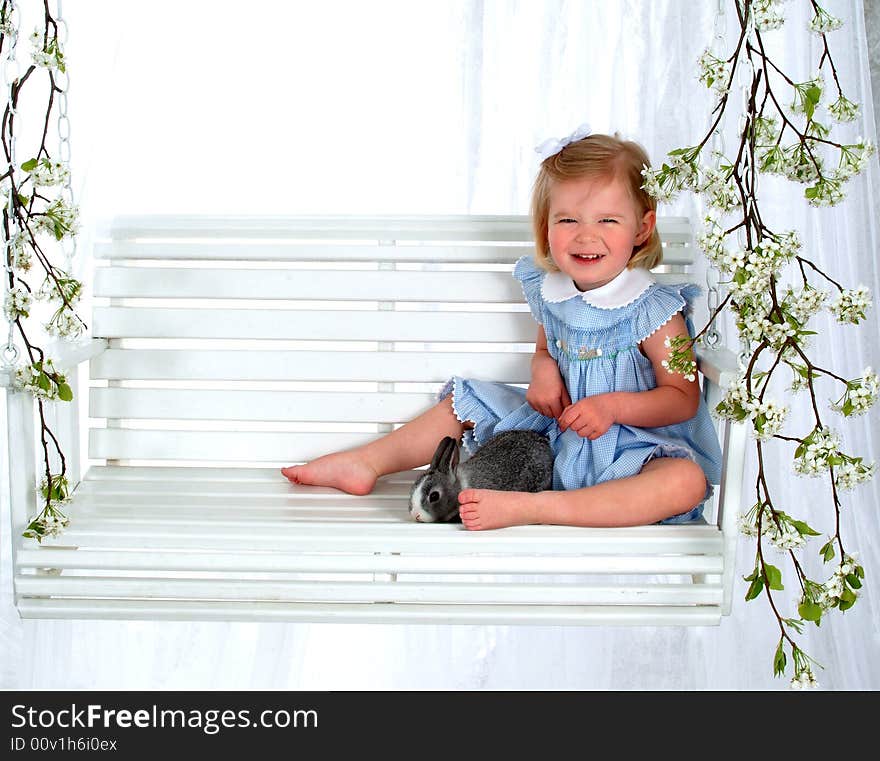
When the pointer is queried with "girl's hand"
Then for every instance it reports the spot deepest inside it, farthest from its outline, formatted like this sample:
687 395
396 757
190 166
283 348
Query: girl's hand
590 417
547 393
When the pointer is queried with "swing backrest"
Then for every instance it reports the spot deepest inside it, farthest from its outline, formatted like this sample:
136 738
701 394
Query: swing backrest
257 341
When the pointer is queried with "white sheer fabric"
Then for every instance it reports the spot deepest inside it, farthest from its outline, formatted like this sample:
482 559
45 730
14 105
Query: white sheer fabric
425 107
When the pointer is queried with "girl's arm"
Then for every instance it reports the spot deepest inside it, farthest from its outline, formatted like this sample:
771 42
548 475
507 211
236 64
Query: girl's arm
547 393
675 399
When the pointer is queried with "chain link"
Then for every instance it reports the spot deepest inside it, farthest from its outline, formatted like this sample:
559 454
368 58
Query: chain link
10 352
68 245
713 298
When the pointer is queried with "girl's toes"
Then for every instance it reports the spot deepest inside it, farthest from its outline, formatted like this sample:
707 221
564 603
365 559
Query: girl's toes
467 495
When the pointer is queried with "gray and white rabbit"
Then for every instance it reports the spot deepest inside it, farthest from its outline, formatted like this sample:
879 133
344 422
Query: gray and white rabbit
510 461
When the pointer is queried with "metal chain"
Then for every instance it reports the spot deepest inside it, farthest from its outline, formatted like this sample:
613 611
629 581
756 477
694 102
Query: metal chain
750 176
62 81
713 336
10 352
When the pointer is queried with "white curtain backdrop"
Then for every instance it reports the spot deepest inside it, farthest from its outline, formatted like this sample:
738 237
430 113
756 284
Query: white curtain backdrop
417 106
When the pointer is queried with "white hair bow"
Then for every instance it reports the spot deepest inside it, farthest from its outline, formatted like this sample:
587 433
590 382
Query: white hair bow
551 146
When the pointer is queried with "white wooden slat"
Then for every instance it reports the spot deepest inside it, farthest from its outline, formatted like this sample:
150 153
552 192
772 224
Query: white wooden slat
223 446
363 591
313 285
275 487
675 252
123 476
386 366
683 549
377 227
230 404
381 227
492 615
105 554
326 325
229 511
261 251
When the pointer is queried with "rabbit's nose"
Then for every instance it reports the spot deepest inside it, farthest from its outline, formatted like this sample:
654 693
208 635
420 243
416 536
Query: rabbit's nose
418 517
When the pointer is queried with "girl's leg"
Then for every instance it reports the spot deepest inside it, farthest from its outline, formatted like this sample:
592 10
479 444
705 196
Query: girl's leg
665 487
412 445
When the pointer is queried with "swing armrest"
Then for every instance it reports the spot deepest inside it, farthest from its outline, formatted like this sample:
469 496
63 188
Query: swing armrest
718 365
65 355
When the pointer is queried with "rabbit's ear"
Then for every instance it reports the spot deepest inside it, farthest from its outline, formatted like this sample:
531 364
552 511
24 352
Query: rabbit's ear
446 449
456 453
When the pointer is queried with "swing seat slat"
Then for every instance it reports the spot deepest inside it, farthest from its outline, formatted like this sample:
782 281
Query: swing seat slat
226 348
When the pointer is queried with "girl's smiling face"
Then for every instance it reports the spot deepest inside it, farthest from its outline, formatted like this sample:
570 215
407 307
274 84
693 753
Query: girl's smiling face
593 226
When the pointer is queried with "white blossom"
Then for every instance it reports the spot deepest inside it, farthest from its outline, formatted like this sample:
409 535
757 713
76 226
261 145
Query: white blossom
52 524
850 474
64 325
714 72
860 394
48 173
844 110
767 418
719 189
820 445
800 104
768 14
824 22
827 191
854 158
800 164
59 220
804 302
17 304
804 680
851 304
46 52
21 252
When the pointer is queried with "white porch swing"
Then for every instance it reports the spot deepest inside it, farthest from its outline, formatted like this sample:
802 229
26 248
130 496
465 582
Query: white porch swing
156 534
225 347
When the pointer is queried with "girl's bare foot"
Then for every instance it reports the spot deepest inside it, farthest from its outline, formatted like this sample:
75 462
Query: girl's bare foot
482 509
346 471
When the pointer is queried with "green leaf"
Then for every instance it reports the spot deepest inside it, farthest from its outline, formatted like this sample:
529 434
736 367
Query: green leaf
43 381
847 595
779 660
809 611
845 604
803 528
774 577
853 581
65 393
827 551
755 588
29 166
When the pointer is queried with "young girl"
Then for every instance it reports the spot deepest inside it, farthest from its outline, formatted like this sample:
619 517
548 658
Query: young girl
633 444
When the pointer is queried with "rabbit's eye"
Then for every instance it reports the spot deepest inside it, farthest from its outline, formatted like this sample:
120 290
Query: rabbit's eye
434 496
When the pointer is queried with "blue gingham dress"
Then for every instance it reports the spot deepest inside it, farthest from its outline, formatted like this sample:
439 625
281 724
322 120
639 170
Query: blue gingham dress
574 329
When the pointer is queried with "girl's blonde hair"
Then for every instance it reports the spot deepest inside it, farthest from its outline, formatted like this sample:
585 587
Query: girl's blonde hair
595 156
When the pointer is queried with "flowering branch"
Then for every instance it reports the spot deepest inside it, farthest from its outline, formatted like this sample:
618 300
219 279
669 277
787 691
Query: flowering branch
29 215
772 322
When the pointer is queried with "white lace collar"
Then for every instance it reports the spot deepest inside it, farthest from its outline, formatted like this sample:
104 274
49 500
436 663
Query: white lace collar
622 290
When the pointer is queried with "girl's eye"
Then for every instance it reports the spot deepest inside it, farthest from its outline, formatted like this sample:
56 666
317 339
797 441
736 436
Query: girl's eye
608 220
565 220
